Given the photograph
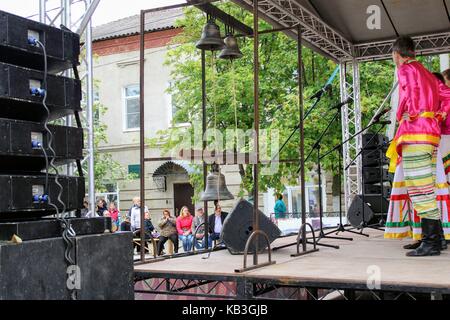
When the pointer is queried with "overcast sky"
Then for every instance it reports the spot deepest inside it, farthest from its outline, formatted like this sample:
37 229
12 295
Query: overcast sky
108 10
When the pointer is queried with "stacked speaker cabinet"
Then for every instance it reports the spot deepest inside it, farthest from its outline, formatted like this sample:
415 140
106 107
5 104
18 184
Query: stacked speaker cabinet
34 97
372 205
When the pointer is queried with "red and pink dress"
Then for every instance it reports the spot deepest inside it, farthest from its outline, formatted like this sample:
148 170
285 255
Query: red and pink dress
423 102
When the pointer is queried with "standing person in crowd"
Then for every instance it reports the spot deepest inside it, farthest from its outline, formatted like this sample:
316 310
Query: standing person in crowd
114 214
168 227
446 75
198 222
184 228
413 152
101 207
136 204
135 214
280 207
216 222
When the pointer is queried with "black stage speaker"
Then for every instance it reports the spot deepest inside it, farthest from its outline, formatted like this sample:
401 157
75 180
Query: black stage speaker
376 140
373 175
21 94
375 207
19 149
20 196
371 158
374 189
17 46
238 226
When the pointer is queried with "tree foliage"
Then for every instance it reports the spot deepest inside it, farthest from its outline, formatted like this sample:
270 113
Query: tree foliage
279 102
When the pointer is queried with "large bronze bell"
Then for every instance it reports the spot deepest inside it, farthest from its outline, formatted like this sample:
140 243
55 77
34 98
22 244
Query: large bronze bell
231 50
216 188
210 40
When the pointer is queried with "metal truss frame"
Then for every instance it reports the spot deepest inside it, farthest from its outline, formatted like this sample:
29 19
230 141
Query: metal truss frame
351 124
76 15
426 45
249 288
289 13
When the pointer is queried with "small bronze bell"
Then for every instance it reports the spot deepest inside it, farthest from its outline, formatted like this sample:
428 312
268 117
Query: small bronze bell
231 50
210 40
216 188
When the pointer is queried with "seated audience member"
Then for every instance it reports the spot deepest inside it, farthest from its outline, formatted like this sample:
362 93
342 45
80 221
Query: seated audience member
101 207
184 228
114 214
216 222
125 225
168 227
148 229
198 222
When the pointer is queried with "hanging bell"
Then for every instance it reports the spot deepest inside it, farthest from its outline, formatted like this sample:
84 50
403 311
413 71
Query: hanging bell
216 188
210 40
231 50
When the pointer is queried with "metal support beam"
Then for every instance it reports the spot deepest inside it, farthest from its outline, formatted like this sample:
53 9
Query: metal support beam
88 16
351 124
225 18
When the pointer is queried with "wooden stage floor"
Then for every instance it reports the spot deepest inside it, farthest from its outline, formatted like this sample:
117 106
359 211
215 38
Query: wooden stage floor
350 267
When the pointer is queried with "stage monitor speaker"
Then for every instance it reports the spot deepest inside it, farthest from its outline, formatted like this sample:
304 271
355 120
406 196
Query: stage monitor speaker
20 140
21 197
373 175
238 227
374 207
21 94
17 45
377 141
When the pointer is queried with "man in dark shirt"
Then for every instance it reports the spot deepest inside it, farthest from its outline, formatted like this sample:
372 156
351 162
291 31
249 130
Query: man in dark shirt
216 221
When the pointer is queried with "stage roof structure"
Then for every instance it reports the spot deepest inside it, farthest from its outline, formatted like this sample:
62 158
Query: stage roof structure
339 29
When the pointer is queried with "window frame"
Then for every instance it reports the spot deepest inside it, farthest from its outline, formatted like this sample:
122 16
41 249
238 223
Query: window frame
125 99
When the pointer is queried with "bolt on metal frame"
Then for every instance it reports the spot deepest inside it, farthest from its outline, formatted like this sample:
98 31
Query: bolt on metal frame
64 13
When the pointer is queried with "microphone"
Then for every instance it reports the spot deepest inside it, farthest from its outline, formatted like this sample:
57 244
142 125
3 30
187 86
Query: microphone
320 93
340 105
382 113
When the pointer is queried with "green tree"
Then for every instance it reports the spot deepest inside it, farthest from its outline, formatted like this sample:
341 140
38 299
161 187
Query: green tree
278 94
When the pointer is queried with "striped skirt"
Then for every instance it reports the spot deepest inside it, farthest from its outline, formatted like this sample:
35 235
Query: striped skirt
402 220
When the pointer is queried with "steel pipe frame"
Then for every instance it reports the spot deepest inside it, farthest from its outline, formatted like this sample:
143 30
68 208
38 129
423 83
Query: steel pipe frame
255 35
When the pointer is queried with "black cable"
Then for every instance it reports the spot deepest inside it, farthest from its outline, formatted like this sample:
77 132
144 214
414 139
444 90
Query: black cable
68 233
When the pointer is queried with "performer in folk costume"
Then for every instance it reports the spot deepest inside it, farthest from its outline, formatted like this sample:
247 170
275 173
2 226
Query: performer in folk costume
420 196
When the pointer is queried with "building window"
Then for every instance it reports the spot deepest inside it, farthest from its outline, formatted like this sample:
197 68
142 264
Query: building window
135 170
132 111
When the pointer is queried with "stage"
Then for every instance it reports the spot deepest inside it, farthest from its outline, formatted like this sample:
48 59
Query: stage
370 267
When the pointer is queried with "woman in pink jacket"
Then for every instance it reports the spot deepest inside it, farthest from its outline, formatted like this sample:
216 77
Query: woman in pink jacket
184 228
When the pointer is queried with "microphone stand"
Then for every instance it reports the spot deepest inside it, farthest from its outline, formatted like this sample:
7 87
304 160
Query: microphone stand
317 146
308 112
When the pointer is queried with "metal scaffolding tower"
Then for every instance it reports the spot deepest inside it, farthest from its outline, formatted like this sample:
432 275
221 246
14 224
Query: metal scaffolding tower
351 124
76 15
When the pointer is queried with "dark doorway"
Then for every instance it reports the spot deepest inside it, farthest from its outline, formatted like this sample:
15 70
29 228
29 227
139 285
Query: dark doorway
182 195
